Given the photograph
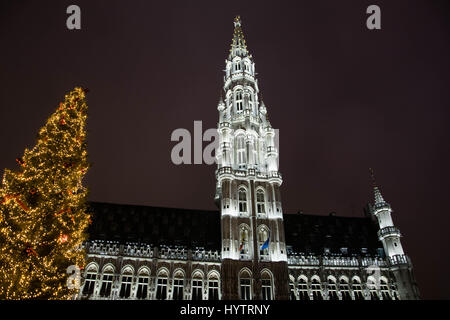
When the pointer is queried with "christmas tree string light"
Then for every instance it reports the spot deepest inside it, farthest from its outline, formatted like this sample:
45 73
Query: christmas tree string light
43 218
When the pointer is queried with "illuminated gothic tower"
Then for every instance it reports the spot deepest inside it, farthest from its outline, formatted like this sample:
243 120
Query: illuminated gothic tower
254 259
400 264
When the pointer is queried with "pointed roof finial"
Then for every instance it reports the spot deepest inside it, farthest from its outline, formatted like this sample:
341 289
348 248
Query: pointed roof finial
372 176
237 21
378 197
238 45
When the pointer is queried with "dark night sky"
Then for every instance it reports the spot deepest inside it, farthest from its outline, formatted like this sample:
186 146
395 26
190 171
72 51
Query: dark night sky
344 98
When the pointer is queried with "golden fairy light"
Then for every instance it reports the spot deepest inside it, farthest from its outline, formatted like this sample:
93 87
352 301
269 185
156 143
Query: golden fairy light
43 217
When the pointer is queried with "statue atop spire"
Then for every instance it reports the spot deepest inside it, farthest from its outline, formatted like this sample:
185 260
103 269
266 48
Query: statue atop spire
238 45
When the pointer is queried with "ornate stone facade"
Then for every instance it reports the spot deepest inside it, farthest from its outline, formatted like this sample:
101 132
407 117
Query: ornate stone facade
243 251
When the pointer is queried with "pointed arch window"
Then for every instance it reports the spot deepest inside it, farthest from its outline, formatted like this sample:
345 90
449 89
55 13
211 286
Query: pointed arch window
241 152
89 283
344 289
263 243
242 195
161 286
371 285
142 288
197 287
292 295
105 290
260 203
303 289
332 289
213 287
178 286
244 252
316 289
239 102
357 289
125 287
245 285
266 286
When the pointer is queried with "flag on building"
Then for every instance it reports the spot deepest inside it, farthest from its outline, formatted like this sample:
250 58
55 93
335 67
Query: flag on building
265 245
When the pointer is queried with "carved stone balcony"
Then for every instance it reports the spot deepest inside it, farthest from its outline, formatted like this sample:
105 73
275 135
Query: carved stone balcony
223 125
228 171
238 75
399 259
381 207
245 256
275 175
388 232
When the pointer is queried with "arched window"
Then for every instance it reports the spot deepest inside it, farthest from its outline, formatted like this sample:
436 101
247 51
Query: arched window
143 280
384 288
344 289
105 290
125 287
161 285
89 283
197 286
245 285
371 285
266 286
316 289
244 248
237 65
263 243
250 101
239 103
292 295
332 289
241 158
242 195
213 286
260 203
303 289
178 285
357 289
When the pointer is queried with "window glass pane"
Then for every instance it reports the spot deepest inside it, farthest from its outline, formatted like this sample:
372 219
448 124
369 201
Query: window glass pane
142 289
245 289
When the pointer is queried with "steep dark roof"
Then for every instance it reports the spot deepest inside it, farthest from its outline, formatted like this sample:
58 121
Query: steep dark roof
155 225
201 228
312 233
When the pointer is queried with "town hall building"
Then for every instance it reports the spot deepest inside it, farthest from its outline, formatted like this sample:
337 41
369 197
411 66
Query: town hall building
248 249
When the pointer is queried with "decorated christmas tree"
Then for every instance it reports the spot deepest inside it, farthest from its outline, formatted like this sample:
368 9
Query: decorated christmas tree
43 219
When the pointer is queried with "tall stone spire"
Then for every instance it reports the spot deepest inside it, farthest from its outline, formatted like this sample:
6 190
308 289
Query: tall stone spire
238 45
248 181
398 262
378 197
